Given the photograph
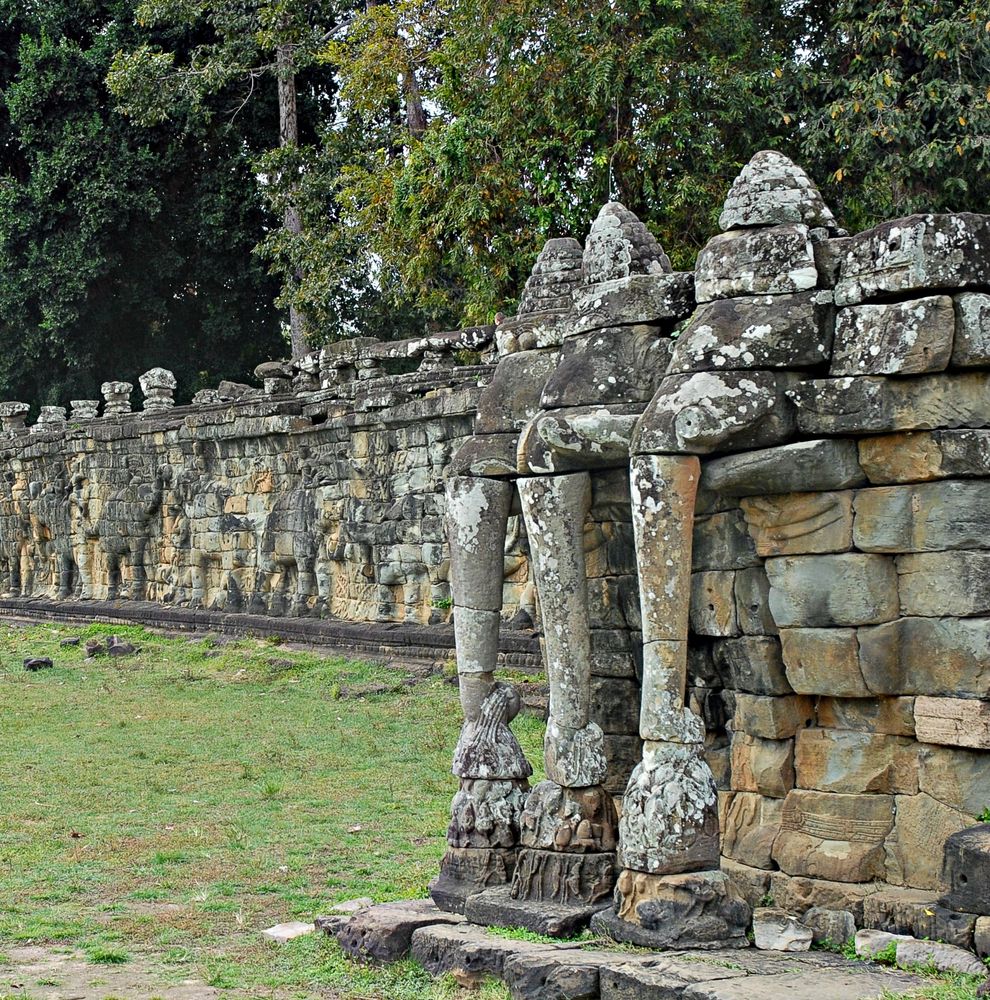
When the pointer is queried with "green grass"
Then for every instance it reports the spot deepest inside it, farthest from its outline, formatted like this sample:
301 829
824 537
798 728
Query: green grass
170 805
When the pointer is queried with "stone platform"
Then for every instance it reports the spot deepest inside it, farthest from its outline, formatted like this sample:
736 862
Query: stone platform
591 970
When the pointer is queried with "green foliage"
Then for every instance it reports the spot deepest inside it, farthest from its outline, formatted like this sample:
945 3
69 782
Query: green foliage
984 816
121 247
893 103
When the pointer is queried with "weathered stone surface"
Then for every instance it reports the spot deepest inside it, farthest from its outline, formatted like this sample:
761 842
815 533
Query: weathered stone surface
616 364
496 907
639 298
934 656
577 438
477 514
694 910
663 715
488 749
823 591
750 883
489 455
384 933
476 634
485 813
966 870
933 584
958 722
565 879
709 411
772 261
776 930
834 837
870 943
981 937
790 468
669 821
798 894
722 542
282 933
770 190
925 517
871 404
749 825
713 604
889 716
579 821
753 664
800 523
555 275
901 458
513 396
944 957
972 342
752 588
574 758
832 760
918 252
915 847
764 766
823 661
894 338
620 245
772 718
915 912
770 331
467 870
832 926
958 778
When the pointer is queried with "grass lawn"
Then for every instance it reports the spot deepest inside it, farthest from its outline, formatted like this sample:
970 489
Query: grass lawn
161 809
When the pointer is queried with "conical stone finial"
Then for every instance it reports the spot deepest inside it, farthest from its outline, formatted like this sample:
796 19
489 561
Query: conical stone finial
772 190
556 272
619 245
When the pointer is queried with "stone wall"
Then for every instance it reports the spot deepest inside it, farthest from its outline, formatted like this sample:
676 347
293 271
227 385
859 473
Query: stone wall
302 500
755 496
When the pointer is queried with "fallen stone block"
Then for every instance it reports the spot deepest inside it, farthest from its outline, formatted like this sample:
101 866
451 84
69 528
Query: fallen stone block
281 933
340 913
384 933
34 663
778 930
943 957
871 943
966 870
833 926
916 912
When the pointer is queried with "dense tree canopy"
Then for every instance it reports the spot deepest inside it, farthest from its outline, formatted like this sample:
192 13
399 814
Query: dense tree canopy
175 175
120 247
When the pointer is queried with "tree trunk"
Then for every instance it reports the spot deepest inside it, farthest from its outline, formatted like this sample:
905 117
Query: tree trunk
288 129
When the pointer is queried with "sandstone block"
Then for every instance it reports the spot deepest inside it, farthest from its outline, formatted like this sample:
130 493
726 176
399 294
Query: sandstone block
966 870
832 926
894 338
749 824
932 656
915 912
944 957
770 331
513 396
918 252
798 894
972 343
926 517
835 837
959 722
722 541
915 847
803 466
800 523
772 718
776 260
777 930
889 716
763 766
823 661
638 298
828 590
752 589
913 456
934 584
384 933
981 936
752 884
832 760
957 778
870 943
752 664
875 404
713 605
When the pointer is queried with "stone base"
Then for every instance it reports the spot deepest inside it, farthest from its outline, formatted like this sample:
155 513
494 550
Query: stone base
693 910
567 879
497 908
465 871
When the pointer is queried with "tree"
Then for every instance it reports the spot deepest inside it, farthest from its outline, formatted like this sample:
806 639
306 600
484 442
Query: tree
893 103
242 43
541 111
121 248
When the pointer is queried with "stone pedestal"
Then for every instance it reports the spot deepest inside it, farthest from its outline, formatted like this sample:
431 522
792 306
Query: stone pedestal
84 409
13 416
117 398
466 871
158 386
692 910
